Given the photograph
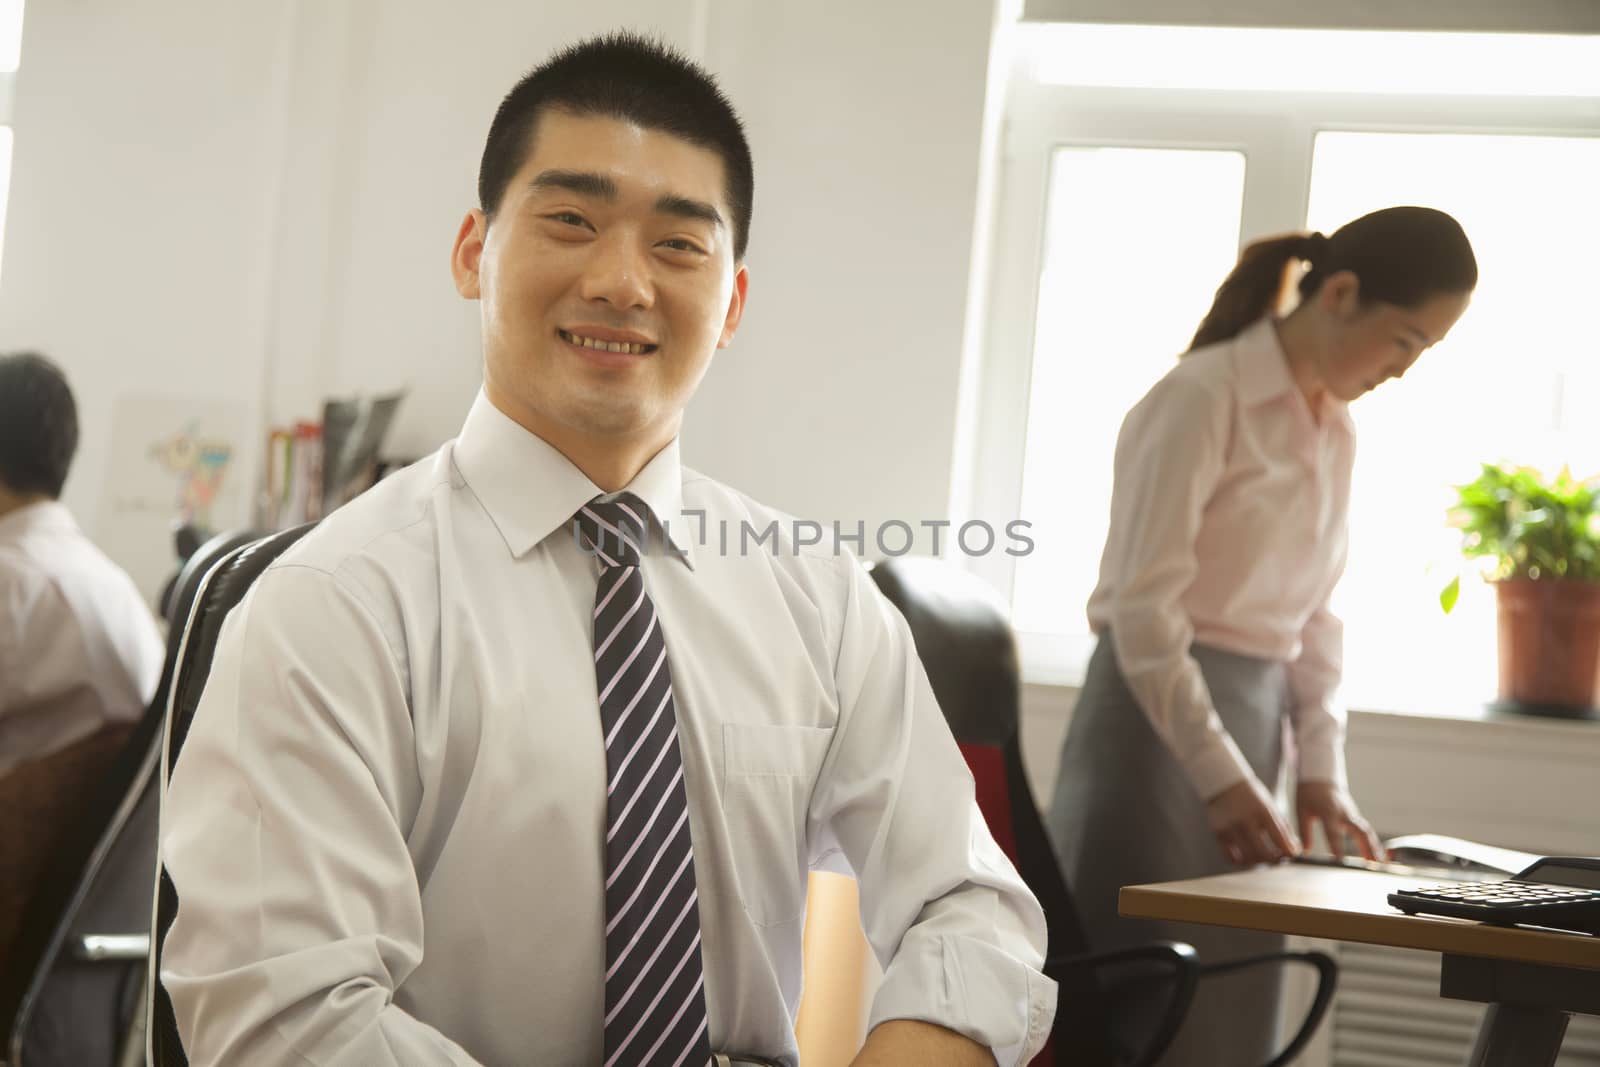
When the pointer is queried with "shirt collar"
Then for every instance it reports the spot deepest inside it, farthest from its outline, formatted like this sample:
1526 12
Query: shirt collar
1263 366
42 515
1263 372
531 490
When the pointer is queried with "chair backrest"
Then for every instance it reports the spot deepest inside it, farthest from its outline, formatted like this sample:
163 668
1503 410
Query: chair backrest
108 780
965 641
219 589
37 799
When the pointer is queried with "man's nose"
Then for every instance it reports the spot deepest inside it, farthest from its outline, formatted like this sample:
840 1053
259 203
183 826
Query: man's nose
618 274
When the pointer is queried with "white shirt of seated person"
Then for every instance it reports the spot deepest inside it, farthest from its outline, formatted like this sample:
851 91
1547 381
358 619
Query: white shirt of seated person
79 648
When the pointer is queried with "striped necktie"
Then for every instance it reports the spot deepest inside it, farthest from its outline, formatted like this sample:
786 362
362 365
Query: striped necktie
655 998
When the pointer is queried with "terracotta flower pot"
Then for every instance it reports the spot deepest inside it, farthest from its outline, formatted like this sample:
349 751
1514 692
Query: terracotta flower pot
1549 644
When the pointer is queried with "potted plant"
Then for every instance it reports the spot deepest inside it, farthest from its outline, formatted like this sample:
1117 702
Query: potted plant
1541 538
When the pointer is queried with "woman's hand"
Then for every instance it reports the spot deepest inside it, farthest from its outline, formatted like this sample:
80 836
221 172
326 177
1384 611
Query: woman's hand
1333 807
1248 827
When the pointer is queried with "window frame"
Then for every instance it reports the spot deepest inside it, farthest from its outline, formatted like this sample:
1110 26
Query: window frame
1275 131
8 89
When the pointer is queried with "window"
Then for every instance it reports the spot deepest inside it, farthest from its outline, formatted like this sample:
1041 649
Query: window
1128 183
10 35
1108 208
1302 61
10 51
1516 379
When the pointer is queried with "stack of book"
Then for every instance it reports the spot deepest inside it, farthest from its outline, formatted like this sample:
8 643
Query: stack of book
293 492
314 467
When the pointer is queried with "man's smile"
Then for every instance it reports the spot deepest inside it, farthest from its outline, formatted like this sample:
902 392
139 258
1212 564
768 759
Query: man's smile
599 339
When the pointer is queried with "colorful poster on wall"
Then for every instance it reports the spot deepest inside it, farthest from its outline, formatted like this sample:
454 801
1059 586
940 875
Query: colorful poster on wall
173 460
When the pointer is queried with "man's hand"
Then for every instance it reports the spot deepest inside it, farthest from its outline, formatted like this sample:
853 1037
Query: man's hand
1248 827
1335 809
896 1042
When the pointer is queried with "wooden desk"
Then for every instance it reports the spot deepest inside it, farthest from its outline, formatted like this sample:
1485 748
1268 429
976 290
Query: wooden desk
1531 980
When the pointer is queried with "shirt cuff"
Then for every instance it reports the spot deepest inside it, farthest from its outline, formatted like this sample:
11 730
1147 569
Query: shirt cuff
1218 766
1321 761
973 988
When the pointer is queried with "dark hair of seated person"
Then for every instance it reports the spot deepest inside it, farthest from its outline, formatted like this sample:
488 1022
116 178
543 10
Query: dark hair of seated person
38 425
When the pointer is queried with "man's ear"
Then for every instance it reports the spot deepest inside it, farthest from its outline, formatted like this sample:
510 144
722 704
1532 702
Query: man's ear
467 254
730 322
1340 295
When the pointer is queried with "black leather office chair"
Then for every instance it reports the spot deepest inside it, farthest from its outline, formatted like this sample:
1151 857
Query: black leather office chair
967 646
224 586
69 987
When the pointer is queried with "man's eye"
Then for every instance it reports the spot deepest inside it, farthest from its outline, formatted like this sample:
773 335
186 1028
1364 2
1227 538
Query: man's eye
678 244
569 217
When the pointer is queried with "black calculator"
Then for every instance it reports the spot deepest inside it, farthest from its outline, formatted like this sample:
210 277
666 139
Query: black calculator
1561 892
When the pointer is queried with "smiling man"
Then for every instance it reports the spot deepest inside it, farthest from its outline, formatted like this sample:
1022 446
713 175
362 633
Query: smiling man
503 764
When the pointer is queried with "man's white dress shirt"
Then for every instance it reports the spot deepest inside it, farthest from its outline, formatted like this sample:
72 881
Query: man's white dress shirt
1229 518
386 826
79 648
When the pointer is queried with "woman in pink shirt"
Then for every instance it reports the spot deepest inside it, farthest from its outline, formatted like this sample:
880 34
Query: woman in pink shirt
1227 536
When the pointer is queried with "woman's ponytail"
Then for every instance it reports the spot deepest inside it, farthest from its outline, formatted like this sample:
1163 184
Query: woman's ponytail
1256 286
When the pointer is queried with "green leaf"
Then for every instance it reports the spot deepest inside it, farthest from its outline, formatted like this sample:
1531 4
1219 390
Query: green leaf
1531 526
1450 594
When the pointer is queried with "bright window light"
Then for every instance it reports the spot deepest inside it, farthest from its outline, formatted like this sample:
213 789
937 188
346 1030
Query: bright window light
1326 61
5 182
10 35
1515 381
1136 241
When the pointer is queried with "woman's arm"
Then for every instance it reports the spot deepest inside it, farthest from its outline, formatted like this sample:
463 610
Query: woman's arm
1171 455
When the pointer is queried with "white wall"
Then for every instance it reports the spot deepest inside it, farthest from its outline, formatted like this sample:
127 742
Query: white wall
838 399
413 91
257 203
136 210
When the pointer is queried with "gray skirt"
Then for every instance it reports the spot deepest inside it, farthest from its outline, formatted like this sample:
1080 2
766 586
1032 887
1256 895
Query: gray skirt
1124 813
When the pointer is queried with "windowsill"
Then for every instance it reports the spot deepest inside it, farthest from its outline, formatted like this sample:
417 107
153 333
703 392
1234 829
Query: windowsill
1465 711
1061 669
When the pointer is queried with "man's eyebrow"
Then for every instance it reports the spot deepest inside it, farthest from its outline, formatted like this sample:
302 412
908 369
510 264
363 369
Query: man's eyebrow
584 183
686 208
599 186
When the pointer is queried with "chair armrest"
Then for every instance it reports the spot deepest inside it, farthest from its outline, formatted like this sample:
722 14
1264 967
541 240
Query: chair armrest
112 947
1327 982
1079 974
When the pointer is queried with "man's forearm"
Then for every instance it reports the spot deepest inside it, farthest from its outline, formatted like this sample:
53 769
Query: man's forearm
901 1041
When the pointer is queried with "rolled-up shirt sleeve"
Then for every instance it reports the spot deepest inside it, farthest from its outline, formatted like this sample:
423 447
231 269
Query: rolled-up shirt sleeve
1169 457
299 913
960 937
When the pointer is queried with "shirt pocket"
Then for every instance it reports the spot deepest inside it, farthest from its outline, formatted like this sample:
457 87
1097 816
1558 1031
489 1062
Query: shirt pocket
769 772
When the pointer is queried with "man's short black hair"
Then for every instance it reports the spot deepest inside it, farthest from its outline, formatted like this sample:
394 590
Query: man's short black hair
38 425
632 78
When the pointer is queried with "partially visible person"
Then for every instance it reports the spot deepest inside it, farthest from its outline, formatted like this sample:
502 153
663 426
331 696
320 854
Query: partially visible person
79 649
1228 533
